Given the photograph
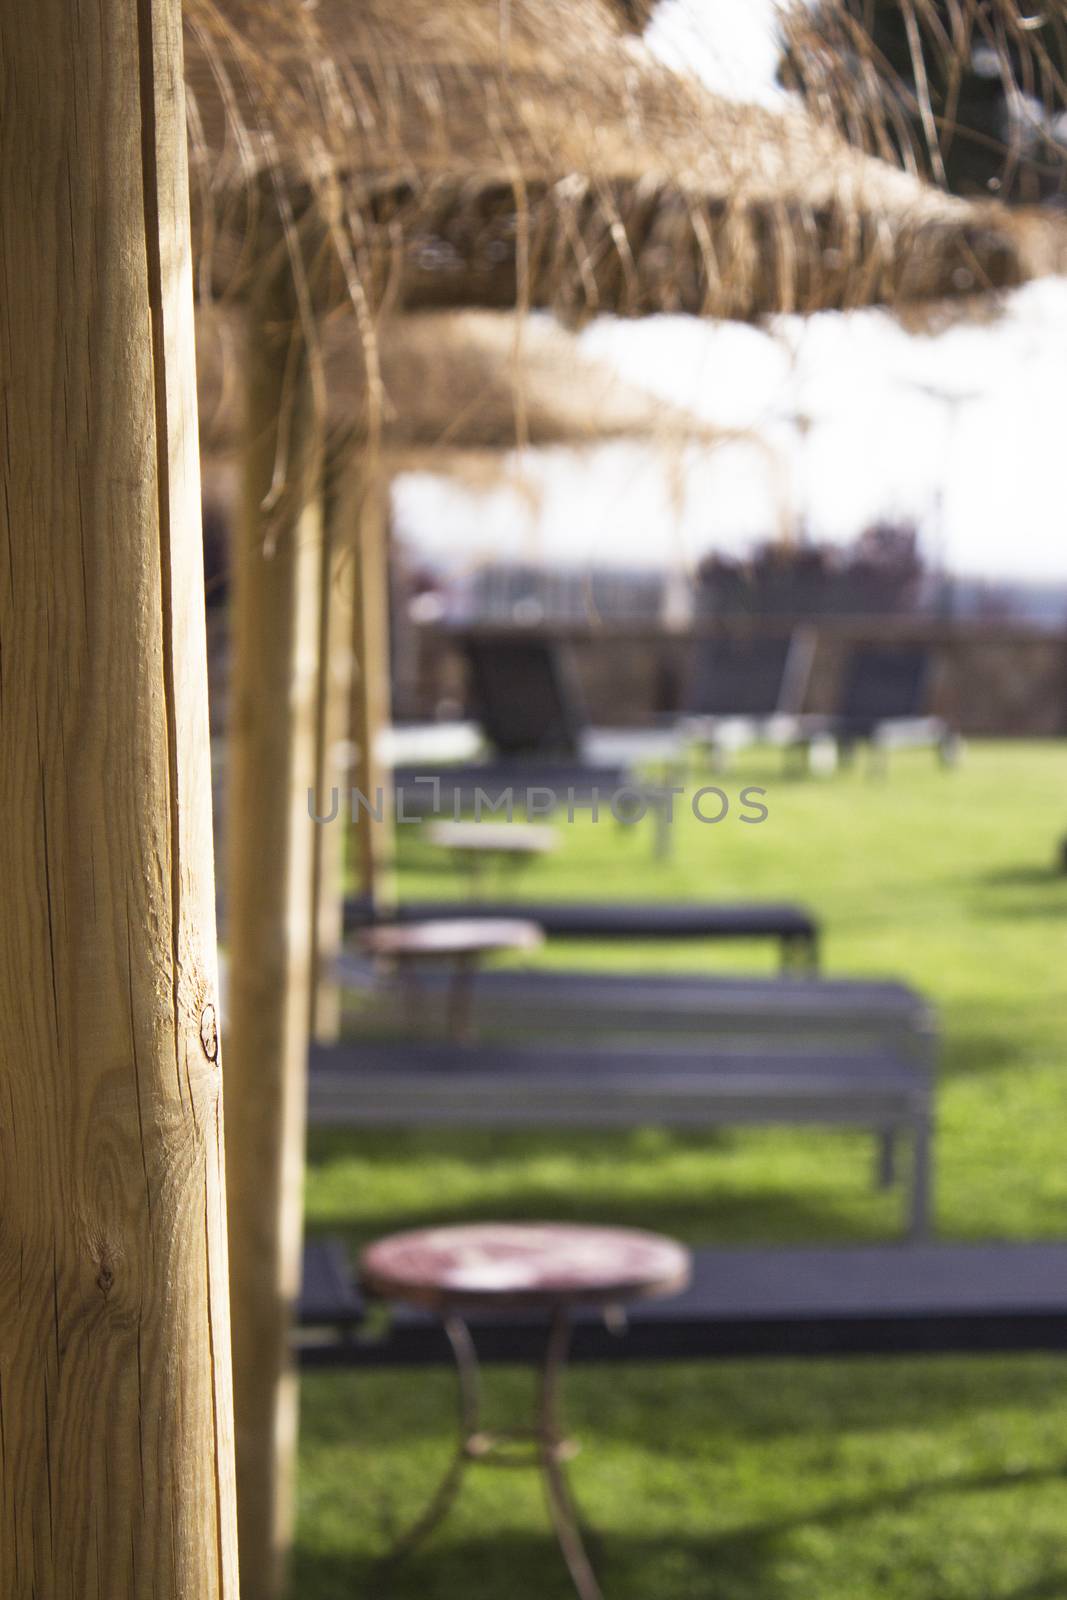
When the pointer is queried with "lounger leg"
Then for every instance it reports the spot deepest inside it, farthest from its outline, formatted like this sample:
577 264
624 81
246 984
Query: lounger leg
823 756
795 757
878 763
949 748
887 1158
800 954
922 1179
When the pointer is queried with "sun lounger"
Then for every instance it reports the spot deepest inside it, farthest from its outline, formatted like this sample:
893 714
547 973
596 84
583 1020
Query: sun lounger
501 1085
871 1300
885 700
749 690
794 930
546 1003
525 694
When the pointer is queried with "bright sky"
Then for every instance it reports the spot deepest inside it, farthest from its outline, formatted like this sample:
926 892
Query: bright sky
850 418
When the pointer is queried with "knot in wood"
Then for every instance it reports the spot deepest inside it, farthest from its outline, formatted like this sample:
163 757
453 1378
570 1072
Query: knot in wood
209 1033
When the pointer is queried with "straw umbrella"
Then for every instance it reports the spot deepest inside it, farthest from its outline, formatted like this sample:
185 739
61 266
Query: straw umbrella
441 155
116 1447
438 163
450 382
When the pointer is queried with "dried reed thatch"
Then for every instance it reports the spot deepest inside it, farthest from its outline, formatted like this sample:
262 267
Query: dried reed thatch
452 382
970 93
507 153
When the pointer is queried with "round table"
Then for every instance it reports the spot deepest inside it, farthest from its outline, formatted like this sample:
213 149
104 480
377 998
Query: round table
464 942
510 843
501 1267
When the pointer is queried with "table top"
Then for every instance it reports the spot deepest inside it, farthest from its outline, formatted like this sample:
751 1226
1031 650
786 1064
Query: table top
494 838
455 937
500 1265
432 743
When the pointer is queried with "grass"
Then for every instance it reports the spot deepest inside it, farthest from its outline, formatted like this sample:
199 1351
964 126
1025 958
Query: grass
927 1480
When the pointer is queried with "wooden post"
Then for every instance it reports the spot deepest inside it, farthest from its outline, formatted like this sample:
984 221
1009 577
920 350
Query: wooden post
333 705
371 699
116 1446
269 832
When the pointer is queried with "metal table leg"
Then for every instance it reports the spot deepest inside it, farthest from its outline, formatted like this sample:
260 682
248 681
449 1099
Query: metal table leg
544 1445
554 1450
469 1415
460 1020
412 996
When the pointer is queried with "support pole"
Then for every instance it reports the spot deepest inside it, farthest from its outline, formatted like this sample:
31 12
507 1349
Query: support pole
333 707
116 1445
371 699
269 831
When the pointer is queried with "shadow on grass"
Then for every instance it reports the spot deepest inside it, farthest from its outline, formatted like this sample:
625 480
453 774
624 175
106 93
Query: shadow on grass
591 1179
747 1562
724 1407
1028 910
1022 891
977 1051
1032 875
431 864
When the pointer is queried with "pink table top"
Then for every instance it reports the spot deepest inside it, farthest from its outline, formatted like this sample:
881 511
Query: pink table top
500 1264
458 937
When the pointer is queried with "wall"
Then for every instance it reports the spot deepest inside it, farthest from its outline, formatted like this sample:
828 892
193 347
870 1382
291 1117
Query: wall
994 679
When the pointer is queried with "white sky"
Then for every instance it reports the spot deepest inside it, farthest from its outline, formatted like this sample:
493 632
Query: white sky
964 432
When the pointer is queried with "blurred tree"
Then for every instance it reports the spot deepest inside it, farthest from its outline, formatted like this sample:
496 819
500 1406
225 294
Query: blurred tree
973 91
881 573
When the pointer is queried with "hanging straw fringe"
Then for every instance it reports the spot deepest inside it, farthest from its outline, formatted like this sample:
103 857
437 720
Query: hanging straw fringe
842 56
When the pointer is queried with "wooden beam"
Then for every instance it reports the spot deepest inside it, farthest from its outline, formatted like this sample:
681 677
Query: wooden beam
116 1446
271 750
375 838
333 765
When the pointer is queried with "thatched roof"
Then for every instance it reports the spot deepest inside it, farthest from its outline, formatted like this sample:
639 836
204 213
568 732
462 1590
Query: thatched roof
472 382
471 152
970 93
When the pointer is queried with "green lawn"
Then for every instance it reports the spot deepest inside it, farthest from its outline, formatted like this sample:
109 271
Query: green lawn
925 1480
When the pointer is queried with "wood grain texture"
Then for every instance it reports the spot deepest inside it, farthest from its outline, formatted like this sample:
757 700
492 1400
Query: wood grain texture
277 565
333 706
116 1444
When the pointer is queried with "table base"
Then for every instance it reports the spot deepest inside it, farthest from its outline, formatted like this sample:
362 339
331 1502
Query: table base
542 1445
